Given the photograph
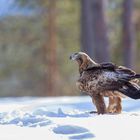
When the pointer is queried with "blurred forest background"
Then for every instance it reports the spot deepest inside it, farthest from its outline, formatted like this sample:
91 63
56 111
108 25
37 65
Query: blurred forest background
37 37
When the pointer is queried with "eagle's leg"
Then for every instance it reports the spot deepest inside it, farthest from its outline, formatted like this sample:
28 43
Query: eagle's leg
98 100
114 105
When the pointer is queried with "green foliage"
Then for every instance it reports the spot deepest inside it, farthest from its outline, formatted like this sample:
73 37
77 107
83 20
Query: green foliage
20 47
68 41
21 50
30 3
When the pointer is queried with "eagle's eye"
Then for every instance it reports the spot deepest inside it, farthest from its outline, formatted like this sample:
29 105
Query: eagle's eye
75 53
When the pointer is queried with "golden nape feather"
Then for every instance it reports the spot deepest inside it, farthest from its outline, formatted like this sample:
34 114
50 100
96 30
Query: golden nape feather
100 80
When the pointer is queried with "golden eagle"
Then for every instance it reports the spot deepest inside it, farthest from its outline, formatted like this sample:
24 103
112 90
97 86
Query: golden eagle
106 80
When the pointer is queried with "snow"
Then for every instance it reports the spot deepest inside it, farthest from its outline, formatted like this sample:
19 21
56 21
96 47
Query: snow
66 118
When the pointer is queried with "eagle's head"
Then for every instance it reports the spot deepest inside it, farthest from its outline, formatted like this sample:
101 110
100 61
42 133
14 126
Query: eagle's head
83 60
80 56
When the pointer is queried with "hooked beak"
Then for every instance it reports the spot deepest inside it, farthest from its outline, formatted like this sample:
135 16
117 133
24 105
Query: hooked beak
73 56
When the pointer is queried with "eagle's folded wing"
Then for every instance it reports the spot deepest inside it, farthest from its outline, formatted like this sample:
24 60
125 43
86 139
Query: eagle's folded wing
108 66
125 70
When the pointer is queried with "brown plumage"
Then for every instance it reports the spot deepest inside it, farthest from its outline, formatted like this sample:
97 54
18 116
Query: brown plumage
106 80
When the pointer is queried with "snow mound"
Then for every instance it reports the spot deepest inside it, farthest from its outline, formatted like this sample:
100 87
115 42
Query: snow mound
38 117
24 119
60 113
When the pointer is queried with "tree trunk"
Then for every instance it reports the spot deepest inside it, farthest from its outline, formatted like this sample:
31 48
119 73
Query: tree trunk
128 34
94 30
52 71
86 28
100 32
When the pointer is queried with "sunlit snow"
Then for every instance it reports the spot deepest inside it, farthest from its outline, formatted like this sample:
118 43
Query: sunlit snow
64 118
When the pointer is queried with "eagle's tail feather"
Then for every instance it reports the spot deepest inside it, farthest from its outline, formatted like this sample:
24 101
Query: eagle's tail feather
137 76
130 77
131 90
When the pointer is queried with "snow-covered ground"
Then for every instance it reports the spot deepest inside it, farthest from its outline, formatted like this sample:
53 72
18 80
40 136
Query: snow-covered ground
65 118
